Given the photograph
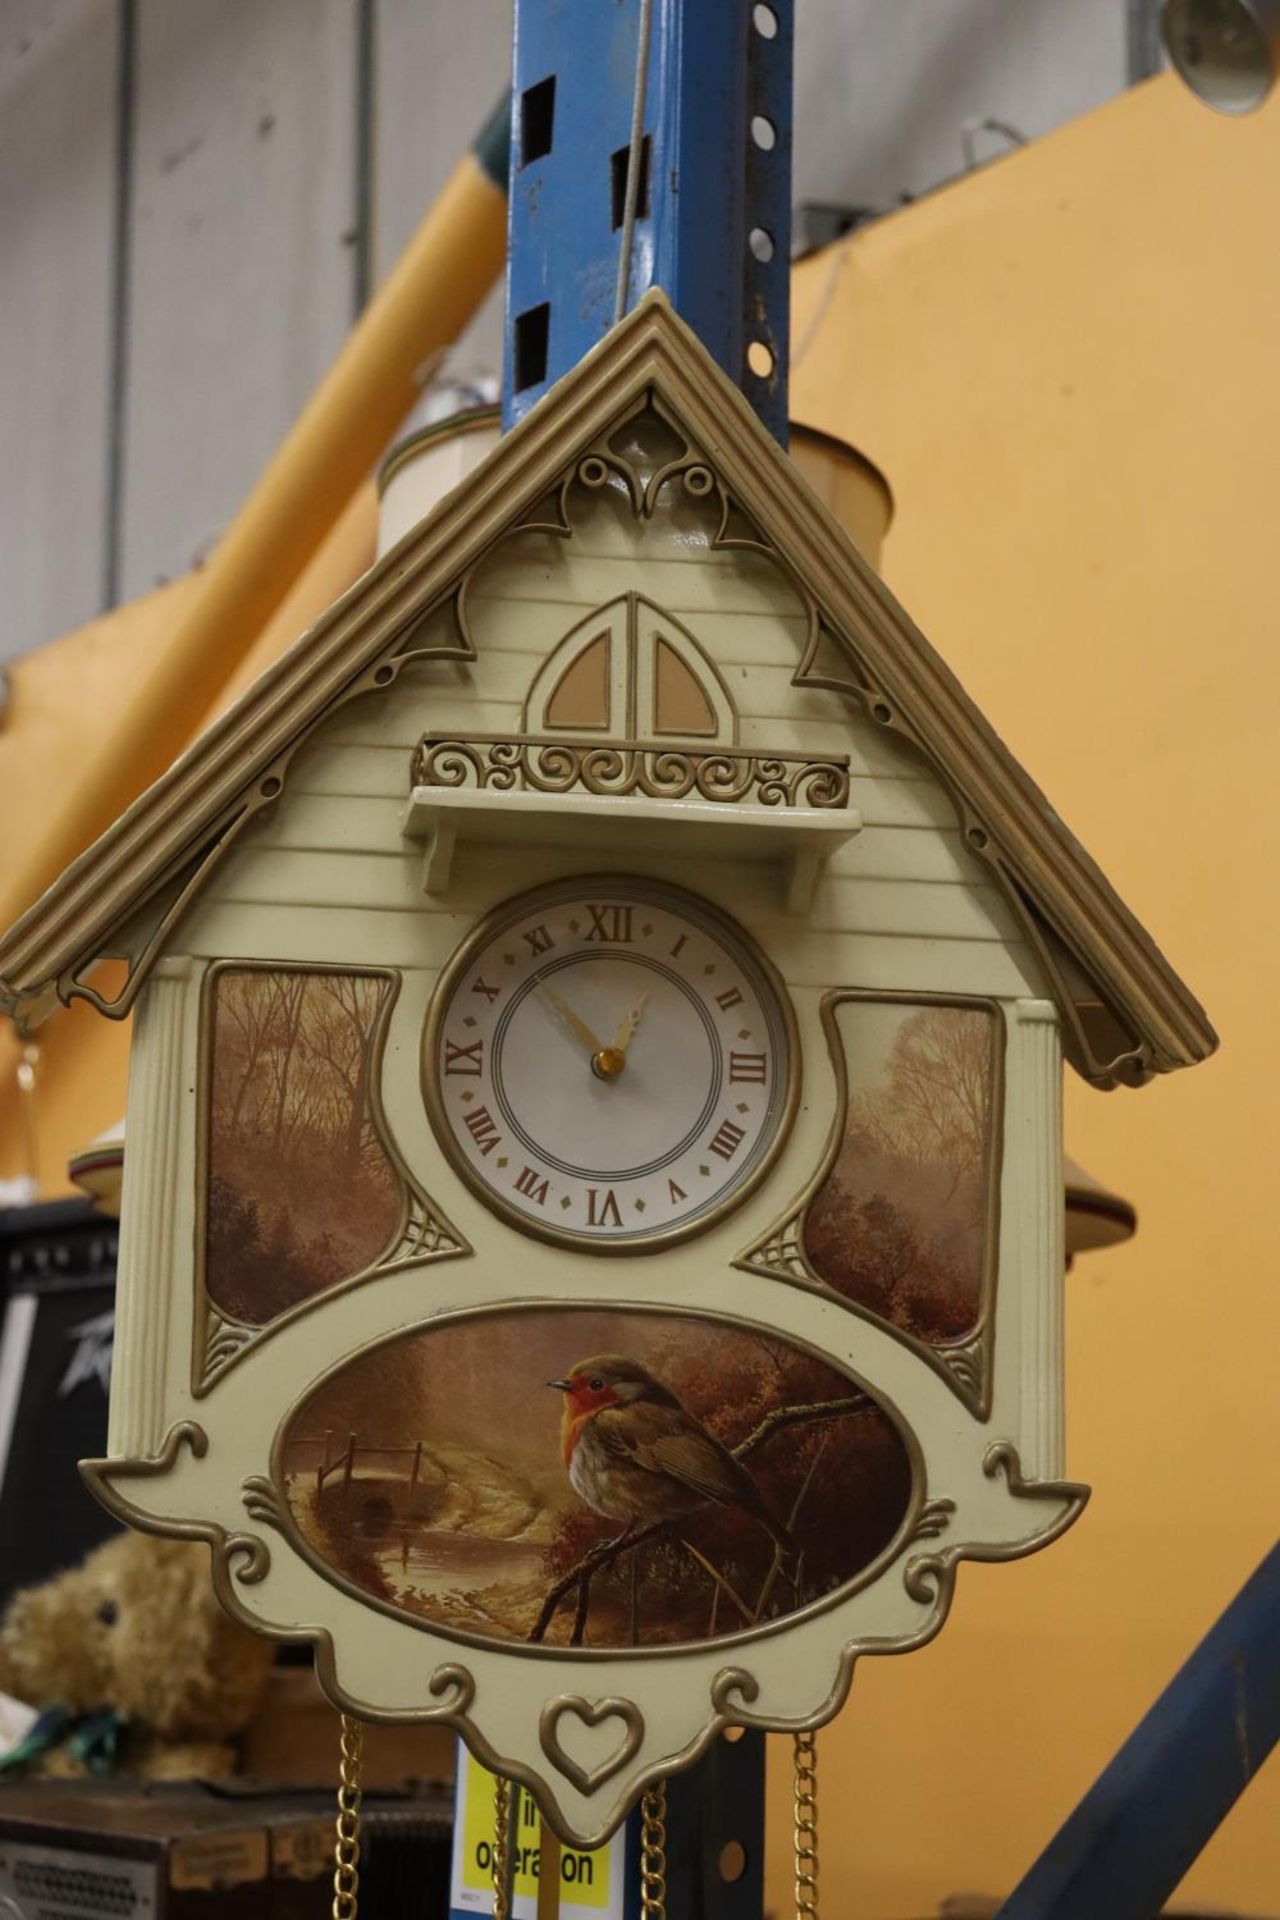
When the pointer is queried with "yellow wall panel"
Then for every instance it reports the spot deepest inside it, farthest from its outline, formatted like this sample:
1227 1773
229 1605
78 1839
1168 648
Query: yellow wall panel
1066 366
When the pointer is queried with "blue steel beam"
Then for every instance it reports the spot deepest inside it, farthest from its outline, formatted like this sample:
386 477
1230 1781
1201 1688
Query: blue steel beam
714 227
1132 1838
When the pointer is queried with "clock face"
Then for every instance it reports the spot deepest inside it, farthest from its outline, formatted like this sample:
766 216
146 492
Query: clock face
610 1062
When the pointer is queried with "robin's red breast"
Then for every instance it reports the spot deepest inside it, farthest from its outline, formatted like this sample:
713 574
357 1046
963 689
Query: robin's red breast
637 1455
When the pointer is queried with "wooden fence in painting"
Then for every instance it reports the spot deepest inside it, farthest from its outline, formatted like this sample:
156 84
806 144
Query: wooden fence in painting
354 1461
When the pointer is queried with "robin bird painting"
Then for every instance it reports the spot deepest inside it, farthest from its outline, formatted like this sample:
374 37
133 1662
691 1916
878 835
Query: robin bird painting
636 1454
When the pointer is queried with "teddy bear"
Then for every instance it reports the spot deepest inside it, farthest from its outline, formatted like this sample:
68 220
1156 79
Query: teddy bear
134 1664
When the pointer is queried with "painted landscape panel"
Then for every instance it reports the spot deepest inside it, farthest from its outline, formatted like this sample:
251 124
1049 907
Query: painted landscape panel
593 1478
300 1192
901 1222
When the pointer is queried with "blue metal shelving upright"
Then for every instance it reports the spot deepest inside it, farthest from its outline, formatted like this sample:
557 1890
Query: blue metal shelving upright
714 217
713 229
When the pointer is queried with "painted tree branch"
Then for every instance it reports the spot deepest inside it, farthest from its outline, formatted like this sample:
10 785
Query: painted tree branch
606 1552
580 1575
782 1417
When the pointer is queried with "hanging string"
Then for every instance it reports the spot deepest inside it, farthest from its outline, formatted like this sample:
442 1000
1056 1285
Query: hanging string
806 1826
346 1849
635 152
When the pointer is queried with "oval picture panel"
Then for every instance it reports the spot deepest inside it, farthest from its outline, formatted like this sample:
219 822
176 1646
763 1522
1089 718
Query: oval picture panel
608 1479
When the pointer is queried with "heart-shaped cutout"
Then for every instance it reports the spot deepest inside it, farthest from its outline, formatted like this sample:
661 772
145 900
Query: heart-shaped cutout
591 1713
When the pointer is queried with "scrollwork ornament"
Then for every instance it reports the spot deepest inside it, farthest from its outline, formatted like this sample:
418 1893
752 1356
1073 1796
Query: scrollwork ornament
454 1687
671 774
731 1688
823 783
776 783
615 768
593 471
504 767
262 1502
223 1341
426 1236
726 777
606 770
926 1578
246 1558
449 763
552 769
965 1362
933 1519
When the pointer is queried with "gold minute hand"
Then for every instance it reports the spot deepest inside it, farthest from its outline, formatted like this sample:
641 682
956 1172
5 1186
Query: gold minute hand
623 1037
578 1027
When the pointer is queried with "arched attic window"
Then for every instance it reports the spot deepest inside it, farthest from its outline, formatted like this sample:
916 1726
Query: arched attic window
630 671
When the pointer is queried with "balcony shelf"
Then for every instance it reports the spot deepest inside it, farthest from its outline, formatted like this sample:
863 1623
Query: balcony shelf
798 841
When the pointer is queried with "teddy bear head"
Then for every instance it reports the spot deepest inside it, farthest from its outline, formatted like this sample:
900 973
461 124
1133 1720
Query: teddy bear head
136 1628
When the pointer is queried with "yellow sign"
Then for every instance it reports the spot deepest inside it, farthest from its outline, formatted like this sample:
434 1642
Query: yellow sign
592 1885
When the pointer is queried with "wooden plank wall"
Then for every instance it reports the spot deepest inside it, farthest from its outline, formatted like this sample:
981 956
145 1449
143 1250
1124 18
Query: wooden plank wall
58 79
196 195
195 198
240 269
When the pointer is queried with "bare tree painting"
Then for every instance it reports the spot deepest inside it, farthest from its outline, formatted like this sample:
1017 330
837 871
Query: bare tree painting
900 1222
300 1190
441 1474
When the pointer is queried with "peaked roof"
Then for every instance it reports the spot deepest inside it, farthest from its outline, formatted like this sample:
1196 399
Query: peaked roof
1127 1013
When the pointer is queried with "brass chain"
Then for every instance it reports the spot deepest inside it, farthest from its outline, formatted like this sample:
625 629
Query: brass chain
653 1853
501 1848
806 1826
346 1848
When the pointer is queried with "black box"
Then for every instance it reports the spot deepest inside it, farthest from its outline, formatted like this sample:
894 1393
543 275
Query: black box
57 1302
80 1850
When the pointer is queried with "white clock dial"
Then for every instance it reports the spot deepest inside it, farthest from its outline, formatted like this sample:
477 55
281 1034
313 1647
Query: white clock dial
610 1062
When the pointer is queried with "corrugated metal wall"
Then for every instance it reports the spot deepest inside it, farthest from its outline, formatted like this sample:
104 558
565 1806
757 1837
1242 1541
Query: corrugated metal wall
195 196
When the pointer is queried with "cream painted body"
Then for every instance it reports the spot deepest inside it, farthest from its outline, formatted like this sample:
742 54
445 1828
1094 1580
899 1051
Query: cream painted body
332 877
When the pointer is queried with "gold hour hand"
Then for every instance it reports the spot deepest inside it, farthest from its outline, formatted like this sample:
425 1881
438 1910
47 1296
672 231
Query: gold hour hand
623 1037
577 1027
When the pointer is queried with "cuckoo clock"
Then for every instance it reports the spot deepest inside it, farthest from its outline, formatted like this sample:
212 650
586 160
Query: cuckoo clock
591 1253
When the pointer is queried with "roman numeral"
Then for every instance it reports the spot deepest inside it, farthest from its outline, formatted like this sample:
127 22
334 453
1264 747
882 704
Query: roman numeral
490 993
728 1138
539 940
675 951
731 997
480 1125
750 1067
533 1186
606 1214
609 924
464 1059
676 1193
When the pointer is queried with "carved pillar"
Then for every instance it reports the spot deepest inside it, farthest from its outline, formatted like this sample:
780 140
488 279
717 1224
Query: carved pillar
148 1201
1035 1138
